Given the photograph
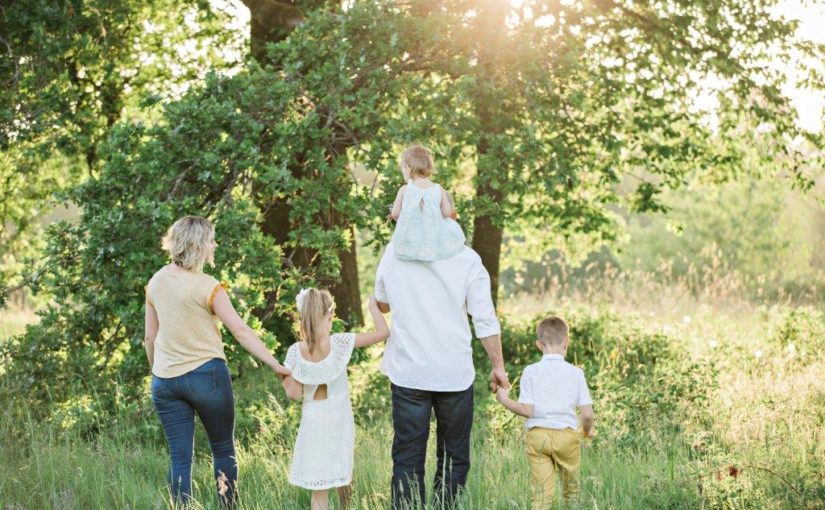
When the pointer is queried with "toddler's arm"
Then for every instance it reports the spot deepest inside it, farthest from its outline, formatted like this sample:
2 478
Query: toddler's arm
447 207
587 420
382 331
396 206
503 396
293 389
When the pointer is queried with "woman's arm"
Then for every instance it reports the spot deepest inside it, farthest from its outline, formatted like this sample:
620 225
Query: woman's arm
223 308
294 390
150 329
382 331
396 206
503 396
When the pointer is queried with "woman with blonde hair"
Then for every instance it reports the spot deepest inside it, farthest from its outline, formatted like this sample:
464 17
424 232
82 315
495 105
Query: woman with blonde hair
184 309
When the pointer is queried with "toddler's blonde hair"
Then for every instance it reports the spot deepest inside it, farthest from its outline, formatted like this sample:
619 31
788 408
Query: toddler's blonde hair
419 160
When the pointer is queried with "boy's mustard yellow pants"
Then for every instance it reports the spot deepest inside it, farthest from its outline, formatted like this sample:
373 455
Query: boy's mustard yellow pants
552 451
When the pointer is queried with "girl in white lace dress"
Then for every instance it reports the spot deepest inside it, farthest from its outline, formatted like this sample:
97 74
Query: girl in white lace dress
323 455
426 228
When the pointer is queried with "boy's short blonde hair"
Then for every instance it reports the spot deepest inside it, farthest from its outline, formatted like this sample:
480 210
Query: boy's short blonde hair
419 160
189 241
553 331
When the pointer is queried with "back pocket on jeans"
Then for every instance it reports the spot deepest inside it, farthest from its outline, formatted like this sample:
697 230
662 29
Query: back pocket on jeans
201 382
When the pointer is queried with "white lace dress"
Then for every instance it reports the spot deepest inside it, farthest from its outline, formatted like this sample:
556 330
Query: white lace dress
325 447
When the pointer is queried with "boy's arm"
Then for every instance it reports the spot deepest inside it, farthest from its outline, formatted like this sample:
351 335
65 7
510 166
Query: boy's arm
503 396
585 405
587 419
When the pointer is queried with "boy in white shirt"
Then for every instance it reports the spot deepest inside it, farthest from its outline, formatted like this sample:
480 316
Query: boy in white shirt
550 392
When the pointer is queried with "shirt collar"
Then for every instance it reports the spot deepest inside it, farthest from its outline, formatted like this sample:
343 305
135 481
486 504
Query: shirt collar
552 356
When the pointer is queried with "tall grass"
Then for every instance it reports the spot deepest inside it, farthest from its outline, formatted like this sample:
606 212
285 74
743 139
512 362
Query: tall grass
50 470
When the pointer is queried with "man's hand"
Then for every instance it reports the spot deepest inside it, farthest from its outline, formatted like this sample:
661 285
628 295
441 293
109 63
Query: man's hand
498 379
384 307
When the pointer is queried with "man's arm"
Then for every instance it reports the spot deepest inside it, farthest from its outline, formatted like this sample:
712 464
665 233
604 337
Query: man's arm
498 376
480 307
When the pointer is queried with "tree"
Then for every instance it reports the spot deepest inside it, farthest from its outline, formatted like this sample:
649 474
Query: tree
272 21
70 71
560 102
222 151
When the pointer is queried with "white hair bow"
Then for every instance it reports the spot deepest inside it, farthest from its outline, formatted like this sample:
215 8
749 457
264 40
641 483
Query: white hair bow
300 298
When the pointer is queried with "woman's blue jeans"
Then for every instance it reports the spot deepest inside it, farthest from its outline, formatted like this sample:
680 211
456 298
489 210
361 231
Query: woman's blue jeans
207 391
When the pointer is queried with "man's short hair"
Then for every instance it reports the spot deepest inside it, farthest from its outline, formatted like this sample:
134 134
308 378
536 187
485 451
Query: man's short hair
552 331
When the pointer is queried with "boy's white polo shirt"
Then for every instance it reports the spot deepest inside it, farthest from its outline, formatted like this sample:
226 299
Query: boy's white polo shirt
554 388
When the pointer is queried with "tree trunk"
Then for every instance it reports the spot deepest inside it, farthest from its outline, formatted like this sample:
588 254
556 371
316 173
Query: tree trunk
490 172
487 238
345 289
272 21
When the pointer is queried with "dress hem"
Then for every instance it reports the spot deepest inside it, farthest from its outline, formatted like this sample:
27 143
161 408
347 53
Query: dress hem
333 485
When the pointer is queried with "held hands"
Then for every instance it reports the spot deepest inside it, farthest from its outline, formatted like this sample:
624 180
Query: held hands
281 371
502 394
498 379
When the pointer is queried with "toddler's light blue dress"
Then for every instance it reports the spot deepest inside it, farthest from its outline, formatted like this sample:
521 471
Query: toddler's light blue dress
422 233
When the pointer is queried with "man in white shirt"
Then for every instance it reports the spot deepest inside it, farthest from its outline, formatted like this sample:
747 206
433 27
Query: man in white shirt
429 362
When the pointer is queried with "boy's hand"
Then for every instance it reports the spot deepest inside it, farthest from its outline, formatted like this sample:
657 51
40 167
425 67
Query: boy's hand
587 435
502 393
498 379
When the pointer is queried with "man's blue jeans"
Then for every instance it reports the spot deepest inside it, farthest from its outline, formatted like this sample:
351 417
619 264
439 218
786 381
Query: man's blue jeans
207 391
411 411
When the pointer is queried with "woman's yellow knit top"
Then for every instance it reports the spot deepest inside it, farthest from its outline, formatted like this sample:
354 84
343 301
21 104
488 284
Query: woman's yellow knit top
189 332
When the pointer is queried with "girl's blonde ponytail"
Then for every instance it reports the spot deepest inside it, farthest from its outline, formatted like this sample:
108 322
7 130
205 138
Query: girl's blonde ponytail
314 307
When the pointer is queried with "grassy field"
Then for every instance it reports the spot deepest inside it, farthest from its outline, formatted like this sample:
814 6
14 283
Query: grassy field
708 410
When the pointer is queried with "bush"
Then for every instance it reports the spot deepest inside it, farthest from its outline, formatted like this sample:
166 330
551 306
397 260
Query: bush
644 385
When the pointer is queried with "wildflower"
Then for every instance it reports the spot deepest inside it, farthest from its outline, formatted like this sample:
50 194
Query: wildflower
686 320
713 344
758 354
